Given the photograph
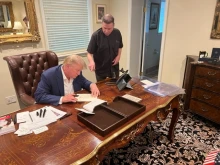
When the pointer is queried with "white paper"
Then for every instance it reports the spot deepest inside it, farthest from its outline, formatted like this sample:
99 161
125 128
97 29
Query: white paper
147 82
132 98
23 117
34 121
83 110
85 97
48 114
146 86
57 112
88 108
40 130
41 123
23 129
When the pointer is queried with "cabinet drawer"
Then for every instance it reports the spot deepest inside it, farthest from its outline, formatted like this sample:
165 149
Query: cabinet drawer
205 110
208 97
208 84
208 72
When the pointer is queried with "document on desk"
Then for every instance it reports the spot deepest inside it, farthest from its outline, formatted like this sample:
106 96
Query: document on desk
88 108
132 98
43 114
30 121
148 83
23 117
57 112
85 97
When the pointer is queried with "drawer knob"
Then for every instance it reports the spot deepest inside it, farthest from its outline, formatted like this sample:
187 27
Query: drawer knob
206 97
211 73
209 84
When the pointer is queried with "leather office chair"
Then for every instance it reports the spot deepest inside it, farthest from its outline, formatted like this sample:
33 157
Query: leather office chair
26 70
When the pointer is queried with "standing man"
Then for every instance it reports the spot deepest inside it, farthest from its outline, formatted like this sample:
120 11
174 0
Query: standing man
104 50
58 84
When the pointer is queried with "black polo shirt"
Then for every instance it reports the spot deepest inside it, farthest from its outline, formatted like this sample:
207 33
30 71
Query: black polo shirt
104 49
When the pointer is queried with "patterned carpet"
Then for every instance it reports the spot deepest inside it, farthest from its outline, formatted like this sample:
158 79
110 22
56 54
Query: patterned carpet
194 138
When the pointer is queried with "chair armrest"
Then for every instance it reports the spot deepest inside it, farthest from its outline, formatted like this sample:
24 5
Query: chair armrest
26 99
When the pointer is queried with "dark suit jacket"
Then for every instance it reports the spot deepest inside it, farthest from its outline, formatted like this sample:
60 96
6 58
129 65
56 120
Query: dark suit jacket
51 86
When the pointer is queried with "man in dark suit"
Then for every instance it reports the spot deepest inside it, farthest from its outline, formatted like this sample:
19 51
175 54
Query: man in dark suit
58 84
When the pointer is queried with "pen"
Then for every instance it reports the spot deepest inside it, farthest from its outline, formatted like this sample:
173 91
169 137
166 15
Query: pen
66 115
44 112
40 112
37 113
15 119
75 95
30 117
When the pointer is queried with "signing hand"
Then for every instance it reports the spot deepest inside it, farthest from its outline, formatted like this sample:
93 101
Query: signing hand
69 98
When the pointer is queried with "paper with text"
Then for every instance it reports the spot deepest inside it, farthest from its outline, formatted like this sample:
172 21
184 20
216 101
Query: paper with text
85 97
30 121
88 108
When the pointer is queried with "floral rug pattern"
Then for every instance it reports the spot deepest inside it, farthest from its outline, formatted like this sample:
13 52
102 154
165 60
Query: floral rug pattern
194 138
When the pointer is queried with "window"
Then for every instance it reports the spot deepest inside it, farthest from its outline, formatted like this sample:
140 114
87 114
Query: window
162 14
67 24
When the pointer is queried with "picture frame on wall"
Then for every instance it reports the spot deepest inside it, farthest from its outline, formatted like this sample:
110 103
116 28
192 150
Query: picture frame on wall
2 19
215 31
100 12
154 15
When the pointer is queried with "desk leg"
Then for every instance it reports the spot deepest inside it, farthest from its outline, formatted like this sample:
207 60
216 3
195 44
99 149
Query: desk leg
175 117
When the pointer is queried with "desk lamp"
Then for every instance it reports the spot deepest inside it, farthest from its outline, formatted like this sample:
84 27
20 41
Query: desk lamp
17 27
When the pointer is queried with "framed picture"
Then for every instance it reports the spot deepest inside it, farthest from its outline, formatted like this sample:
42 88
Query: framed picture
154 15
100 12
215 32
2 19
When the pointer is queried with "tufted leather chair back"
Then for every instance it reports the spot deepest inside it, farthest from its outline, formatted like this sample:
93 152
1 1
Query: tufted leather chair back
26 70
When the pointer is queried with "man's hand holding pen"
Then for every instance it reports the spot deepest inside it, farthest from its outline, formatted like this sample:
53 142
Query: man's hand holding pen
69 98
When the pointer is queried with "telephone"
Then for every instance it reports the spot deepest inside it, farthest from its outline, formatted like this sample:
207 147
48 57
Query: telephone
123 81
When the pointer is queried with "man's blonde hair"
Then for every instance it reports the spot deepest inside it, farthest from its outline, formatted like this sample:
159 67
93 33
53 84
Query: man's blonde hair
74 59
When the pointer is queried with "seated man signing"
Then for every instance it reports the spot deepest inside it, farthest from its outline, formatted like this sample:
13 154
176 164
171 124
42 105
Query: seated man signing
58 84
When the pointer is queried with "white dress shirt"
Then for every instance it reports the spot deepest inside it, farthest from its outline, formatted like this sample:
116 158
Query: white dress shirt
68 85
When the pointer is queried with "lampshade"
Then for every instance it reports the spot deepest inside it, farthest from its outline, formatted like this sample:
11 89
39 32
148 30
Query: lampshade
17 25
9 24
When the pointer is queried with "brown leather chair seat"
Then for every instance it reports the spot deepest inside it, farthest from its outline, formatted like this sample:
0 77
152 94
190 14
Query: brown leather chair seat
26 70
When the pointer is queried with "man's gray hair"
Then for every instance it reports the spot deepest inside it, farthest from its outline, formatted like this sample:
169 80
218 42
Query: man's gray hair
108 18
74 59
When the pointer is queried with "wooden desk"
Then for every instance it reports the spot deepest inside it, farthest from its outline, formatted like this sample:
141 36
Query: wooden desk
69 141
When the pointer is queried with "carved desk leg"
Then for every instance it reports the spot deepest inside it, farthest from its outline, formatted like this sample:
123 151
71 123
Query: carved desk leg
175 117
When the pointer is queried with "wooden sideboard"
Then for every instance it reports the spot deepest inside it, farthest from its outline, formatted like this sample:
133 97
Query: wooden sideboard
203 90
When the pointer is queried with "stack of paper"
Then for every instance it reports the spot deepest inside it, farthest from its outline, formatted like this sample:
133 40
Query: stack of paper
33 121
